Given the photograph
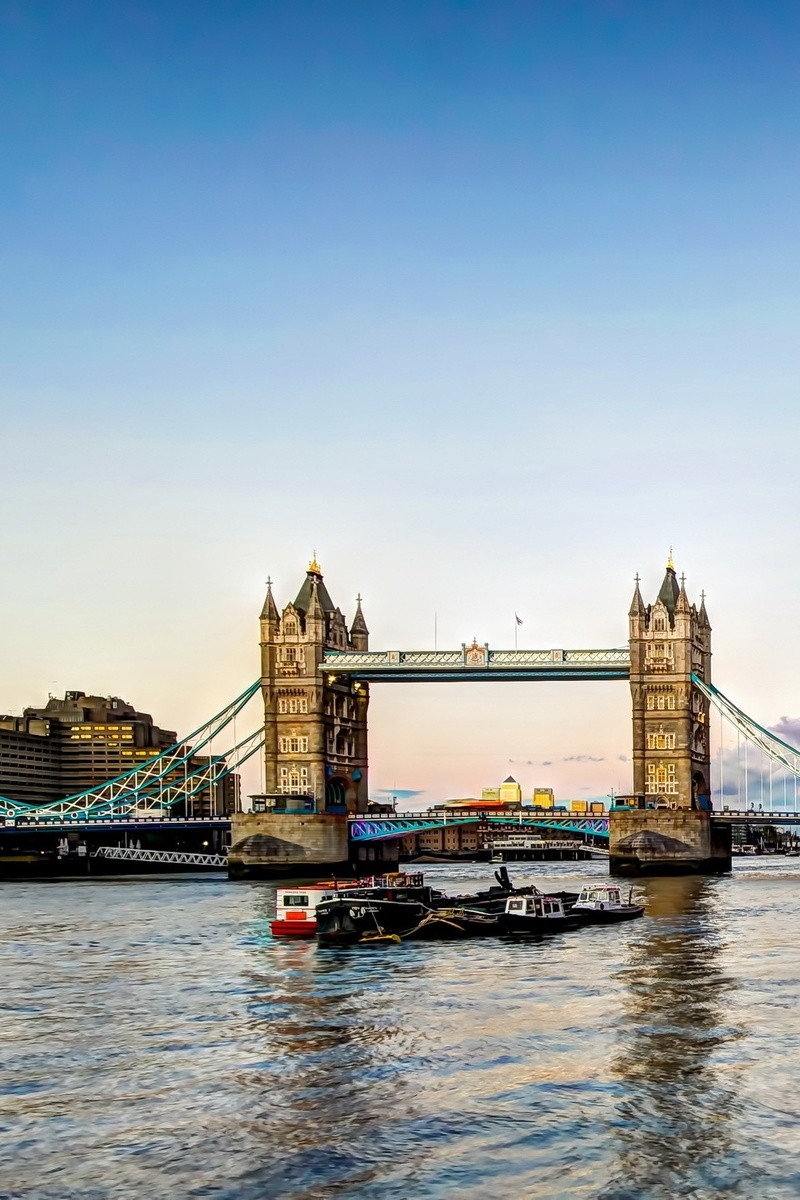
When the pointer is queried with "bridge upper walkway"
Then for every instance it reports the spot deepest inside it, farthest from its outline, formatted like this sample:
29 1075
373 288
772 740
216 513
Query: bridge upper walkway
477 663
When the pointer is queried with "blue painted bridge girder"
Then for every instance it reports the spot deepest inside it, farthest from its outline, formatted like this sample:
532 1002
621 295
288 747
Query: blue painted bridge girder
384 829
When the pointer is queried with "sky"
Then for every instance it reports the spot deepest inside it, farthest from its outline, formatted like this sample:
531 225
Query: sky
488 303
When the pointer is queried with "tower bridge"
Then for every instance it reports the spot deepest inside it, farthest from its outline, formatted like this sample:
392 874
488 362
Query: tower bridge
315 680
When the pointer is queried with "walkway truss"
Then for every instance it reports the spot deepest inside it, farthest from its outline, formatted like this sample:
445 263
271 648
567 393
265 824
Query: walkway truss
176 776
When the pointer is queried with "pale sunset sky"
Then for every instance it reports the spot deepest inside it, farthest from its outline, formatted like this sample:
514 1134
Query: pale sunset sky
488 303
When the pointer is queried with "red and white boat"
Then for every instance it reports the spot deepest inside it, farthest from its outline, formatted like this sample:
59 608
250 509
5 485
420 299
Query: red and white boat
296 909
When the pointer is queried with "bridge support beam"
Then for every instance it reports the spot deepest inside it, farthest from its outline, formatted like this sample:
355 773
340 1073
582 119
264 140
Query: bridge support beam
301 846
677 841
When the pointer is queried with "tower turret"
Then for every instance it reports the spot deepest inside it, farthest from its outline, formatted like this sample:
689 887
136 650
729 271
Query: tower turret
359 634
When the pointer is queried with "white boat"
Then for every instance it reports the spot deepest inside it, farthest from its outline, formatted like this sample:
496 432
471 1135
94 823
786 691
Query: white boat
602 904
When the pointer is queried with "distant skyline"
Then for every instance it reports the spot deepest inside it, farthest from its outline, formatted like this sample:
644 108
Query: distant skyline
488 303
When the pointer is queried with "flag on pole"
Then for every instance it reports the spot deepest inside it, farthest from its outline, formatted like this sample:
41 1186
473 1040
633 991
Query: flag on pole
519 619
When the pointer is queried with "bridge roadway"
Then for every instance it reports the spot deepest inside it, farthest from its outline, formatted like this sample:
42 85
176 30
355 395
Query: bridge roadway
114 824
368 828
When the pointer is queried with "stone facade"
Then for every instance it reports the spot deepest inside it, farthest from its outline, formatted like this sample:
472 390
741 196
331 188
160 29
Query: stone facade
315 723
670 641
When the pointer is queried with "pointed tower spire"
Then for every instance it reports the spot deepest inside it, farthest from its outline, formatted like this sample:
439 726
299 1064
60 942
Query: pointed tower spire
637 608
702 616
359 634
682 605
314 607
270 611
670 588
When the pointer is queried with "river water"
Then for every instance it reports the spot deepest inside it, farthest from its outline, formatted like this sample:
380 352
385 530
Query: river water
156 1042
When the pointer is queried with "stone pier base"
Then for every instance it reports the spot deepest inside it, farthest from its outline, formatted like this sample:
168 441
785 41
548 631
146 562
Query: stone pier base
300 846
679 841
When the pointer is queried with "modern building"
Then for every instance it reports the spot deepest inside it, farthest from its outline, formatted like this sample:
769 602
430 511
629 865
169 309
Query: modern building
315 724
80 742
510 791
30 762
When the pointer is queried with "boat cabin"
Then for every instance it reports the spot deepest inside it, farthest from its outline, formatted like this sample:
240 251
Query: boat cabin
599 896
296 909
535 906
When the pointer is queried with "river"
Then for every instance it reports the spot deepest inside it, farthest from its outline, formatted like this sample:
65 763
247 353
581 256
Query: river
156 1042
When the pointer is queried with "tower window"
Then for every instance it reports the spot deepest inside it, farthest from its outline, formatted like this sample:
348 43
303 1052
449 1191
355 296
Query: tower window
661 778
290 627
660 701
293 745
661 741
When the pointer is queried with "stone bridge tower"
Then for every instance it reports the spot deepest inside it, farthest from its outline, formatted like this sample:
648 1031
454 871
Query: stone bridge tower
315 724
669 641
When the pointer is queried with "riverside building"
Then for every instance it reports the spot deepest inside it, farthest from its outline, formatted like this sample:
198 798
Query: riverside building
81 741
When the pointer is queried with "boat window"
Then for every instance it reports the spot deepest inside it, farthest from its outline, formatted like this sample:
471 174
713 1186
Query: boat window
516 905
295 901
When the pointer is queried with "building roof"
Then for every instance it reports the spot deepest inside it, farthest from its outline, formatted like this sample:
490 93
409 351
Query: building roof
670 590
303 601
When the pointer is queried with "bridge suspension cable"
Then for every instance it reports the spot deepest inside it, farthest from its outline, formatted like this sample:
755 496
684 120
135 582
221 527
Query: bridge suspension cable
774 747
169 777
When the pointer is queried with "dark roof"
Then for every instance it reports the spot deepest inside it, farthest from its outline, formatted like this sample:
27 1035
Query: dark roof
359 624
510 779
670 590
303 601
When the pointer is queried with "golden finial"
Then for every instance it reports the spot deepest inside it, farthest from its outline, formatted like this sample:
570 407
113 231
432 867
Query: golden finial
670 563
314 567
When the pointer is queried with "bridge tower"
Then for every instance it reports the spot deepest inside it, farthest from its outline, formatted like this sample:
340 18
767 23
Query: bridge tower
315 725
669 641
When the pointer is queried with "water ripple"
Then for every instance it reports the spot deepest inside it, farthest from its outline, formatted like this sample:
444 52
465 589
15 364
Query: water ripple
157 1042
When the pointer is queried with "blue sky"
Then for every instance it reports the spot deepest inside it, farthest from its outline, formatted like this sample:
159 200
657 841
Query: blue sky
488 302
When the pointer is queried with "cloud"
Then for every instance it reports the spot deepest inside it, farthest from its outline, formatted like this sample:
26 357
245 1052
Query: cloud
622 758
787 728
582 758
398 793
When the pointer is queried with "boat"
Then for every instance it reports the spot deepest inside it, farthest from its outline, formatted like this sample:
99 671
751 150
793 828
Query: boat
296 909
383 904
537 914
603 905
493 899
398 902
445 924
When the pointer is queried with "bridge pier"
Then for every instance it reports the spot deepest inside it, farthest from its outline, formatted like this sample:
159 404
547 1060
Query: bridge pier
679 841
301 846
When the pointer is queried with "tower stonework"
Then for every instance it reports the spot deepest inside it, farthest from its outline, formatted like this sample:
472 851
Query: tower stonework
315 723
670 641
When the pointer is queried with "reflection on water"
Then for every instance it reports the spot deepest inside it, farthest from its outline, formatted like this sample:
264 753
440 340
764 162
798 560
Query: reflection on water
156 1042
675 1115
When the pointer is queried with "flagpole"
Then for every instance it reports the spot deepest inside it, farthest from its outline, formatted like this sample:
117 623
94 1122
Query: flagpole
516 627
